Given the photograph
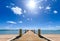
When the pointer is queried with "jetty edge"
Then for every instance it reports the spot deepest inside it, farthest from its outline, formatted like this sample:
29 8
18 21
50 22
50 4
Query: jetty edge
30 35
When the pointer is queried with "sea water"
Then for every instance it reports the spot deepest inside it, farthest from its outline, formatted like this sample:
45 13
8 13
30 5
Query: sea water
17 31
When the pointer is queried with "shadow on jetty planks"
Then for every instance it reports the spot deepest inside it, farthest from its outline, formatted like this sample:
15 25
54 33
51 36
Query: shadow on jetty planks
39 34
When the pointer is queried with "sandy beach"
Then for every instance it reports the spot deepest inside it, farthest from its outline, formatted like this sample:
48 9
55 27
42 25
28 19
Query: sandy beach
53 37
6 37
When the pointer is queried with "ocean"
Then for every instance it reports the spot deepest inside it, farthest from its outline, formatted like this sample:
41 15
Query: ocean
5 31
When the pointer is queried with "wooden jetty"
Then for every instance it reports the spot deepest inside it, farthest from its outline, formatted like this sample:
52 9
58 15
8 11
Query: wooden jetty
30 36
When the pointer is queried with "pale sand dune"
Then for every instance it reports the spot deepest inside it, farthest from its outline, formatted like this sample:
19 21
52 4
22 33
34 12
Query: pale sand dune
53 37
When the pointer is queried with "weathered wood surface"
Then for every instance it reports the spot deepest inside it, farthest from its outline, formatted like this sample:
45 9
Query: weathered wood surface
30 36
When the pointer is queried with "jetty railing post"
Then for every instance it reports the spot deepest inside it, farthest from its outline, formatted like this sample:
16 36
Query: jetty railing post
25 31
39 32
34 31
20 32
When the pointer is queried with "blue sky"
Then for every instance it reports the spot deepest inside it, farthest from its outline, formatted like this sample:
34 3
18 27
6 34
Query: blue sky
31 14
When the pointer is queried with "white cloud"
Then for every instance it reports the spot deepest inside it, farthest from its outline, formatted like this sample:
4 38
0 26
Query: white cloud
54 0
55 11
12 4
40 7
17 10
41 0
20 21
48 7
24 11
11 22
57 26
28 19
7 6
45 0
50 22
23 15
31 19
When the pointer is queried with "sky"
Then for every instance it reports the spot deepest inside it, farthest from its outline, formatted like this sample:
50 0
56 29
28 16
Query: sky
30 14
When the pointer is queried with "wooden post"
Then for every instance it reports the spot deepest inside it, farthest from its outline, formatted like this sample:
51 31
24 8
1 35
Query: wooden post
20 32
25 31
34 31
39 32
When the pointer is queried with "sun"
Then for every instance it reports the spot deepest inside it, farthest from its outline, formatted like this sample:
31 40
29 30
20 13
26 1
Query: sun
31 4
